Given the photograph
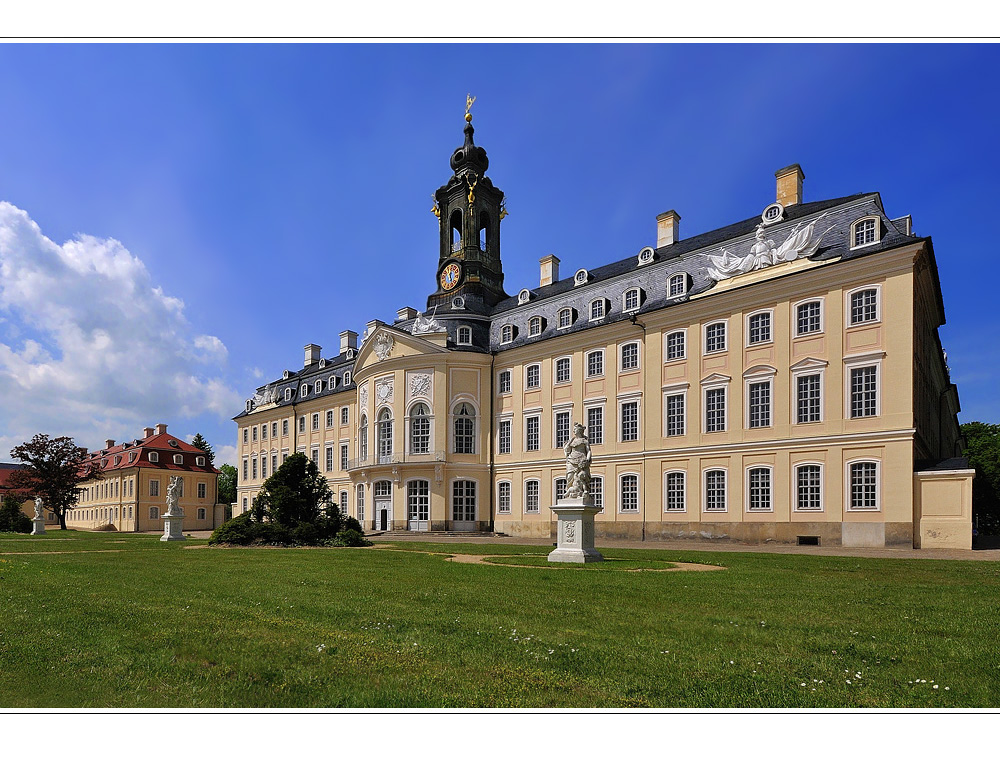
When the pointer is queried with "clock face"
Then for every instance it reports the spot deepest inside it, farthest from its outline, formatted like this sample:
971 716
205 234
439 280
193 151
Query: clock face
450 276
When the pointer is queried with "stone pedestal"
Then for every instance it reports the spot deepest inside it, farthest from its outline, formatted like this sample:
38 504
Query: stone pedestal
38 526
576 532
173 527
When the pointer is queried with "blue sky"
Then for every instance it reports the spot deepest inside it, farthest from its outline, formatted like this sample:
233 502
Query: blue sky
205 210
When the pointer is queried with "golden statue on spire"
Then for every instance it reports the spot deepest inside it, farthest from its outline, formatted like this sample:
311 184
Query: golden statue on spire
469 99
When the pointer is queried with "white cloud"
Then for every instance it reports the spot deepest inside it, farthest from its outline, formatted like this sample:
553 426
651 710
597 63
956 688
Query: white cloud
89 347
225 455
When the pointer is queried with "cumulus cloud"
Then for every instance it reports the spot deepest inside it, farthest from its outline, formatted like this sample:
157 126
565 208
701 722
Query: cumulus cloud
89 347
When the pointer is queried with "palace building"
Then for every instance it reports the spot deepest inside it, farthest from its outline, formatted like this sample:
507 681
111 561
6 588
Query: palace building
778 379
130 490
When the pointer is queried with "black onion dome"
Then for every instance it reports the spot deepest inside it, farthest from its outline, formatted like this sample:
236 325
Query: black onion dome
470 155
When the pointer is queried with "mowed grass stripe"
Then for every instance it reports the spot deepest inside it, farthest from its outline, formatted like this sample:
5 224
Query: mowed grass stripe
159 625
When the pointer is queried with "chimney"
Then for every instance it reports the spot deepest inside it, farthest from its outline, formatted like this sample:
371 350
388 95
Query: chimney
790 185
161 429
406 313
348 340
312 353
667 228
550 270
148 432
109 443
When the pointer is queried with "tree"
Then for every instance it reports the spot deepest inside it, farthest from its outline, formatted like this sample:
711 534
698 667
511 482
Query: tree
983 451
296 492
200 443
53 469
12 518
227 484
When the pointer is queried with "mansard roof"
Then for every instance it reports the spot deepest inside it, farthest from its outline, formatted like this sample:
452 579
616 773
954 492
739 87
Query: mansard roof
117 457
335 366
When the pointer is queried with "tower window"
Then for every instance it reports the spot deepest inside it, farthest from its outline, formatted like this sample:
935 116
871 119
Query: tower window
456 230
464 335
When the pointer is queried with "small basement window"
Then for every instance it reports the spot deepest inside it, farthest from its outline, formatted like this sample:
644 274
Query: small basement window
807 540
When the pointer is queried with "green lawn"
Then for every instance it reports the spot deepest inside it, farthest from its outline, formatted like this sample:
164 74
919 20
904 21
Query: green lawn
127 621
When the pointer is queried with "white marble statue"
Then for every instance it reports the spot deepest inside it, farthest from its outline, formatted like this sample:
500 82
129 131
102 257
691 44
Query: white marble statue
424 325
578 457
174 495
39 513
801 243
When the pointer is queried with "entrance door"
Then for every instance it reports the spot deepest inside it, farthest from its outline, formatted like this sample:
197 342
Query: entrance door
383 515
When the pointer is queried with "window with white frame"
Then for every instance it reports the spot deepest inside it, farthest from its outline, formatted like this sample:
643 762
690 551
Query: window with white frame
531 433
363 438
759 488
314 454
759 328
288 393
201 514
598 308
347 377
329 418
319 385
630 356
630 421
154 511
178 459
274 430
674 495
595 363
864 391
263 432
246 435
532 377
202 491
531 500
595 425
284 427
360 507
253 433
344 415
674 348
630 300
597 490
503 437
263 466
864 306
715 490
808 395
246 469
343 456
808 488
864 485
808 318
562 428
506 334
503 382
675 412
302 424
343 502
628 493
565 317
677 285
274 462
715 337
465 429
329 459
562 370
304 390
759 403
715 410
534 326
463 500
464 335
154 486
253 467
503 497
384 434
418 500
865 232
315 422
560 489
420 429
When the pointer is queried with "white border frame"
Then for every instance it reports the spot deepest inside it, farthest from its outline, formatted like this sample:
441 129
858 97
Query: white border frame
878 231
683 332
638 492
687 284
746 327
795 317
524 495
684 492
851 362
572 314
555 370
510 497
704 489
746 487
704 337
847 485
822 486
848 305
668 391
586 363
621 347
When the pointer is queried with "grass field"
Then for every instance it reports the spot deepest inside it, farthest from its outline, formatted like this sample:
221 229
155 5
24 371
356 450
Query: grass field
110 620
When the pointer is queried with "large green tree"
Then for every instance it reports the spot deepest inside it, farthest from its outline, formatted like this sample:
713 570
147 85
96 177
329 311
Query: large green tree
227 484
983 451
12 518
53 469
199 442
296 492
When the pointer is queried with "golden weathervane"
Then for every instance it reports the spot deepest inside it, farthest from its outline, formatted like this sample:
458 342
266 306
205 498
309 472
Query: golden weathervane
469 99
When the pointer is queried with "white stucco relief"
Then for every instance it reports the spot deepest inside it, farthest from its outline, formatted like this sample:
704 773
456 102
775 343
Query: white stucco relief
801 243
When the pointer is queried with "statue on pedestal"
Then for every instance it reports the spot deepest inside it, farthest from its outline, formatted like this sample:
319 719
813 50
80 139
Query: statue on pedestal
174 496
578 457
39 512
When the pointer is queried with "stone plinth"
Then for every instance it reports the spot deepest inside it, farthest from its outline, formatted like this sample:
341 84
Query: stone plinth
575 541
38 526
173 527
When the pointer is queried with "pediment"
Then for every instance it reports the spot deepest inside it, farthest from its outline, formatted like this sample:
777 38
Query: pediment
760 370
808 363
388 343
713 379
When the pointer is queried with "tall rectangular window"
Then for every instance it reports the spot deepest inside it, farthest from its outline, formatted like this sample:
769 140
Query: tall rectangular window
315 422
562 428
676 411
202 491
630 356
463 500
715 410
675 491
246 474
360 491
675 345
760 404
329 459
760 489
715 337
715 490
253 433
562 370
503 437
302 424
629 492
807 488
808 397
343 502
418 500
531 496
503 497
630 421
154 485
864 485
263 466
503 382
595 363
864 392
253 466
533 377
759 328
560 489
329 419
595 424
531 434
597 491
344 415
864 306
315 455
343 456
807 318
284 427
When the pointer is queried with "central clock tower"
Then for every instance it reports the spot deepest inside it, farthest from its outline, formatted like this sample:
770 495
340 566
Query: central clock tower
469 209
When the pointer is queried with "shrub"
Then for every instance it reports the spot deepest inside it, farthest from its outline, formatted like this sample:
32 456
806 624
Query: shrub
350 538
12 518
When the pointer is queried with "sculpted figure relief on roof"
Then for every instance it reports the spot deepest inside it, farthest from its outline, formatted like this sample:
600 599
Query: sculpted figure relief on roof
801 243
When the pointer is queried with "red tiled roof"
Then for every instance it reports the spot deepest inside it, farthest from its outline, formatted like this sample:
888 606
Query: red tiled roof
104 460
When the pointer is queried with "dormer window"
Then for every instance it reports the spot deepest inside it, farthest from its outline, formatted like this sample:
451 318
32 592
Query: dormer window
178 459
118 459
630 300
249 406
678 285
322 362
507 334
865 232
534 326
523 297
303 390
131 457
347 378
288 394
319 385
285 374
154 456
464 335
334 381
199 461
581 278
598 308
565 317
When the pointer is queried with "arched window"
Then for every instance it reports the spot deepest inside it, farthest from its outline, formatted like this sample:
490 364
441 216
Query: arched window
535 326
484 230
456 230
363 438
288 393
507 334
319 385
597 309
465 429
384 435
420 429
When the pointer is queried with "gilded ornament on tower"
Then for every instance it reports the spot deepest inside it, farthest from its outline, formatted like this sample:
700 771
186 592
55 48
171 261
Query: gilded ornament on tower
469 99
